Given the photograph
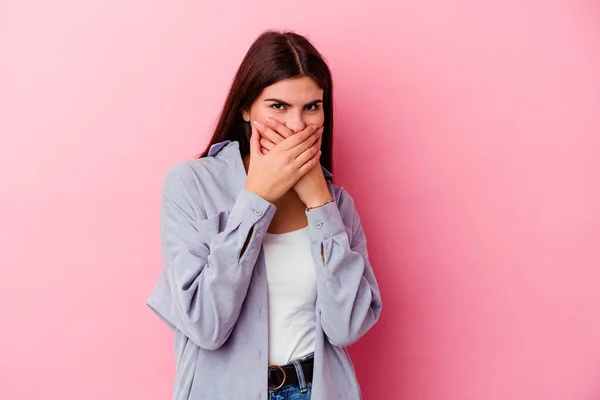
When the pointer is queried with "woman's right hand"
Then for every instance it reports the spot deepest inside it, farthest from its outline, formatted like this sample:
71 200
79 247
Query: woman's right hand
271 175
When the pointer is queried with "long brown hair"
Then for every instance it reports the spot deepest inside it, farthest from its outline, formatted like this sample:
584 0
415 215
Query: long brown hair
272 57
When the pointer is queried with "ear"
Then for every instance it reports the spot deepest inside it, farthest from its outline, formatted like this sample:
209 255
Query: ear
246 115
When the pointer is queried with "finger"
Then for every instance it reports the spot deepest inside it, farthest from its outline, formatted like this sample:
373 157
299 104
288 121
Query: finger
304 157
269 133
320 140
309 142
278 127
298 138
266 143
310 164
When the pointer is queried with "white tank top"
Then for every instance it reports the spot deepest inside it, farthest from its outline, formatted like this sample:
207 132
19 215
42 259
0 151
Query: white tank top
292 293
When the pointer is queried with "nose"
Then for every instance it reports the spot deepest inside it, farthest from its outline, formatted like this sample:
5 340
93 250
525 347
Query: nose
295 123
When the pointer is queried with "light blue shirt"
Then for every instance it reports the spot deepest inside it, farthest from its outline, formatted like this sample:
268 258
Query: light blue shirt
216 301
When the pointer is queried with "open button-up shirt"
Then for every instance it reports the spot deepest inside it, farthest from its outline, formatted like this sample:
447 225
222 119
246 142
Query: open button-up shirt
215 300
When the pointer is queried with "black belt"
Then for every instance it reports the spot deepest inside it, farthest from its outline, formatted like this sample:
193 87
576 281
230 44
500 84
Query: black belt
285 375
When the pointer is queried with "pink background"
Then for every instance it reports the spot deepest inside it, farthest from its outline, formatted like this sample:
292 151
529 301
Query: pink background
467 131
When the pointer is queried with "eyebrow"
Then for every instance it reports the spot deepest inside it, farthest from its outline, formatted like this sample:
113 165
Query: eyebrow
289 105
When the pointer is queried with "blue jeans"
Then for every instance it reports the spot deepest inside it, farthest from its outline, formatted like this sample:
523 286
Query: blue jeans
300 391
292 392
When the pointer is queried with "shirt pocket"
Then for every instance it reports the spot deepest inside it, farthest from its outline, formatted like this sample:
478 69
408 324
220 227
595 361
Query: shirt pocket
209 227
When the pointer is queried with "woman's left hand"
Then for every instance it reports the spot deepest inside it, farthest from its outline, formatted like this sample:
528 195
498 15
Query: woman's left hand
312 187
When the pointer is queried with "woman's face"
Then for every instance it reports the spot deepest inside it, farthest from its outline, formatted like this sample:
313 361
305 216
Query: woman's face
296 103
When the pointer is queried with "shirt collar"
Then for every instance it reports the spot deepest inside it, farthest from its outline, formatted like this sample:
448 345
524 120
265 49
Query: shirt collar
217 147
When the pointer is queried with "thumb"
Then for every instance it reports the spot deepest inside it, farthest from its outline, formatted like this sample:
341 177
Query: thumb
254 142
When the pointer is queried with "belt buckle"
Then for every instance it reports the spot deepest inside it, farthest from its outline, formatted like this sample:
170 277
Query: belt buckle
284 376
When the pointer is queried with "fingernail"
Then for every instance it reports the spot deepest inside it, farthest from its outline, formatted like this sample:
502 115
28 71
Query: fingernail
258 124
269 120
314 128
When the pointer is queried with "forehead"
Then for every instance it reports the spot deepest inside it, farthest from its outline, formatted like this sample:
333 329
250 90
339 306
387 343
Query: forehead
299 90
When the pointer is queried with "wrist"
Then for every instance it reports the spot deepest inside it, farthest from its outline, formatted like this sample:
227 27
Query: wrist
309 209
260 193
318 201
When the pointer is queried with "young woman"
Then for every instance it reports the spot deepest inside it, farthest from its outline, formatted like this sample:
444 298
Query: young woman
266 276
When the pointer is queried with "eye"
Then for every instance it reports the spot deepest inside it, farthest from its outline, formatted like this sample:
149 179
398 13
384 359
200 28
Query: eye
278 106
312 107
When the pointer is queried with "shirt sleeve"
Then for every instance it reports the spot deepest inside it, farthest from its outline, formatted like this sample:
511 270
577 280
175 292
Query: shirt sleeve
348 297
204 281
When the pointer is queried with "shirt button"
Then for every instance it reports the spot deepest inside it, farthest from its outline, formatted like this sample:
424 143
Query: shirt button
318 224
257 212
